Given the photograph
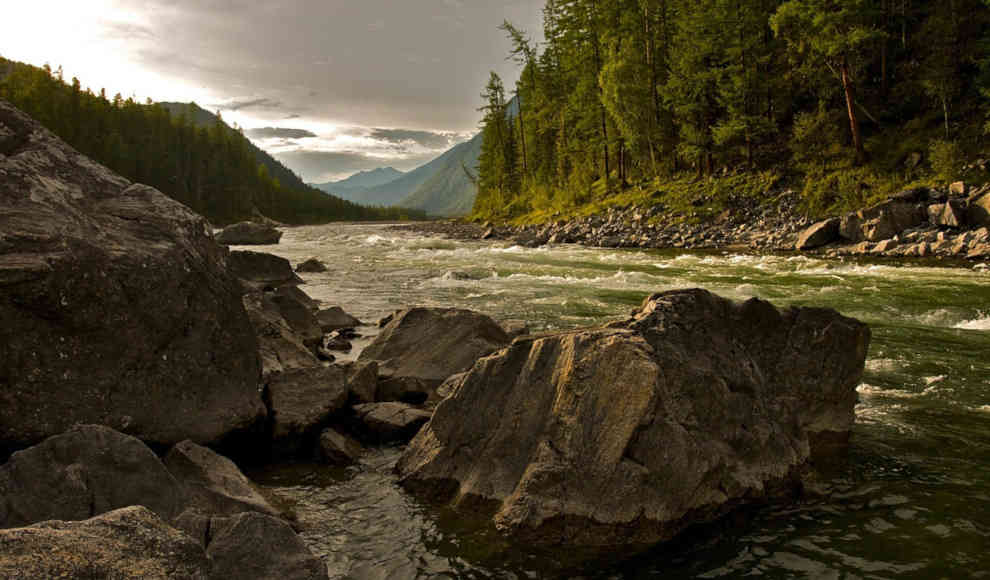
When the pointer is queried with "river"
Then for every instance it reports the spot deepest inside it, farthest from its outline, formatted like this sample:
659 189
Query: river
912 501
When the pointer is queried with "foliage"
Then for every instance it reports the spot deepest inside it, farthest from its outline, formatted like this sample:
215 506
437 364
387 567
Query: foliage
947 160
191 156
844 97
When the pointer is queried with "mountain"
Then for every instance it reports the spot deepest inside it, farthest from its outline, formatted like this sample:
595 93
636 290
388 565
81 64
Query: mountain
359 182
449 191
202 118
439 187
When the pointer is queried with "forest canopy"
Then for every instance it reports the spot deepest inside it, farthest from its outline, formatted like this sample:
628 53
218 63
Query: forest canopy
185 152
828 92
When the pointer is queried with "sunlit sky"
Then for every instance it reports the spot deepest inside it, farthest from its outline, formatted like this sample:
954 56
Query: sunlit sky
344 85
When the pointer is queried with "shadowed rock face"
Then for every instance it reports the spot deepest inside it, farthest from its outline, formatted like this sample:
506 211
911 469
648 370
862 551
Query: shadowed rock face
82 473
116 304
630 433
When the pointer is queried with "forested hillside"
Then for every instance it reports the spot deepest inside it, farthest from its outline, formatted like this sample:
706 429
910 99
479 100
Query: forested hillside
212 169
450 190
846 99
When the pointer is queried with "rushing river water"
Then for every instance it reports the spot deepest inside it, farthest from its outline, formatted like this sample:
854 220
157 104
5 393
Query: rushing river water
913 501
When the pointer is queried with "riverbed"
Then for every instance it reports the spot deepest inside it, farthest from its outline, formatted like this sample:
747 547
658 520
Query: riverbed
912 501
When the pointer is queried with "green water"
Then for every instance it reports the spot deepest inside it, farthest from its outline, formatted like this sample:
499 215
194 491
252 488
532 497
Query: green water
913 501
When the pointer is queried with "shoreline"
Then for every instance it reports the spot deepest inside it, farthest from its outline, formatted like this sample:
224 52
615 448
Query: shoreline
915 224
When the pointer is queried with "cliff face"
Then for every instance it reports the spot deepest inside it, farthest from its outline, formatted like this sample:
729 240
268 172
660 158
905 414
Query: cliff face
116 304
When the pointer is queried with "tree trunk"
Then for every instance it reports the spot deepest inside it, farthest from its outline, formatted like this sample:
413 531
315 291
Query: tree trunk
522 134
598 69
851 108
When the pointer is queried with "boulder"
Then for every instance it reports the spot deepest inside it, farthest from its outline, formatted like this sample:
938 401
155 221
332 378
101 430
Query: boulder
336 342
295 293
300 318
631 433
362 380
116 304
212 483
335 318
935 212
127 543
881 221
260 547
339 449
426 345
249 234
84 472
818 235
279 347
311 266
514 328
953 214
884 246
390 421
261 271
978 213
301 402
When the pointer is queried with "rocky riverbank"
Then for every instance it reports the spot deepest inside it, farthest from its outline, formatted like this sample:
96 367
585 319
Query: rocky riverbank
943 223
141 360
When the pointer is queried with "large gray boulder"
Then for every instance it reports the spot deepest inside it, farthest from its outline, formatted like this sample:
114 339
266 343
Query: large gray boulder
629 434
249 234
116 304
82 473
130 542
212 483
420 347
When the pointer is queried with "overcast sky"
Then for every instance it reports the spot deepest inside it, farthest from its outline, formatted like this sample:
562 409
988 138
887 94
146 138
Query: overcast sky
329 86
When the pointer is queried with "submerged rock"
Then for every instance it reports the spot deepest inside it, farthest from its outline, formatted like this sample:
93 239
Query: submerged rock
312 266
127 543
631 433
116 304
335 318
249 234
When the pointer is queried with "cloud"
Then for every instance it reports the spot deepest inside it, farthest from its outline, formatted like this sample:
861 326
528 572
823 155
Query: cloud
128 31
263 104
428 139
278 133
